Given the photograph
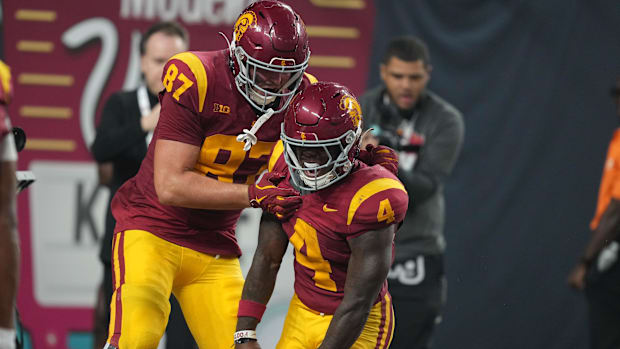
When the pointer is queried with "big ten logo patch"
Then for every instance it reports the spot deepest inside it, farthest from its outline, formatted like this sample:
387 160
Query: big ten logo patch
350 105
243 23
220 108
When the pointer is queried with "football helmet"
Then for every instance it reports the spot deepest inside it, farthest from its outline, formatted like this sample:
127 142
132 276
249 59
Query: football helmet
269 54
321 135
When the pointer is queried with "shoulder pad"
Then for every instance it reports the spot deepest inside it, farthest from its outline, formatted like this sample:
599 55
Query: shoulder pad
185 77
276 161
377 204
311 78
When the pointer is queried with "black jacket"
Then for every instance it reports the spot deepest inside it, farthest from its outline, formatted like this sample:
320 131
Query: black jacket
120 140
443 129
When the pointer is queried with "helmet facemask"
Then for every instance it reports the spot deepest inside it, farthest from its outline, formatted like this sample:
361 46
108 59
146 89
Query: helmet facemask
306 175
252 71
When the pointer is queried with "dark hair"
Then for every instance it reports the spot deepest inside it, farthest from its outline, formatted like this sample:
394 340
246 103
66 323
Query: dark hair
408 49
168 28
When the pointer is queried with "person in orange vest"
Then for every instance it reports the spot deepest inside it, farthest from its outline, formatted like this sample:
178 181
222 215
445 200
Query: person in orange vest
597 272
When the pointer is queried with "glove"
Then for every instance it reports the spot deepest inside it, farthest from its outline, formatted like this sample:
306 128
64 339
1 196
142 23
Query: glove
281 202
380 155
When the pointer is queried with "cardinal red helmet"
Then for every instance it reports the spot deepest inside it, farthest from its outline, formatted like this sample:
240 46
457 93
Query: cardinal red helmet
270 53
321 135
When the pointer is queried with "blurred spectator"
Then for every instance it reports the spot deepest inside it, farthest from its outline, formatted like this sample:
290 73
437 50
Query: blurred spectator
120 145
428 133
9 245
598 272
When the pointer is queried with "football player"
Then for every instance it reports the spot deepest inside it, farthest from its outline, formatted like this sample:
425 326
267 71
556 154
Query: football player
220 118
342 234
9 247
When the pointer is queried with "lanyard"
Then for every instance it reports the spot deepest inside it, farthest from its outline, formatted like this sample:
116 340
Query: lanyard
145 108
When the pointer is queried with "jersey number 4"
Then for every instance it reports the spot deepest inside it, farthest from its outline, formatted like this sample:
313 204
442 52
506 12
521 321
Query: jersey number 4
173 74
386 213
305 234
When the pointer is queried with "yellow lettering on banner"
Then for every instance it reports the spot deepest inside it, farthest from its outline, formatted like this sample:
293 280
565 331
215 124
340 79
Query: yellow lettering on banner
305 234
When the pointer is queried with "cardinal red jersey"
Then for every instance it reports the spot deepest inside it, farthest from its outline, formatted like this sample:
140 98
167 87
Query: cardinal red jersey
200 106
369 198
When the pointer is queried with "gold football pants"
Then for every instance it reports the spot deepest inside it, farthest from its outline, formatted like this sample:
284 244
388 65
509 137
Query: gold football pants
305 328
146 269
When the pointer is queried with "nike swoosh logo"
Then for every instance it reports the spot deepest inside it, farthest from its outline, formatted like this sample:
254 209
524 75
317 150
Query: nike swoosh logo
327 209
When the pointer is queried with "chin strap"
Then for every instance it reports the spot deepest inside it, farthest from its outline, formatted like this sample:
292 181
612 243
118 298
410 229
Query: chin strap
249 136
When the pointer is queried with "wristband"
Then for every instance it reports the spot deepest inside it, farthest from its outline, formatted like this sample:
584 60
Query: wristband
244 336
251 309
7 338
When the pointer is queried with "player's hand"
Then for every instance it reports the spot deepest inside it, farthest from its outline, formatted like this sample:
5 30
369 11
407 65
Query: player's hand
279 201
577 277
248 345
149 121
380 155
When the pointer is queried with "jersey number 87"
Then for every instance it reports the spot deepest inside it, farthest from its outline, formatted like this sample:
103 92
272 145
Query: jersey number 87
172 74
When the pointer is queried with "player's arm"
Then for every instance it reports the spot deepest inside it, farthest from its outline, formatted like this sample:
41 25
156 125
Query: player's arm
178 184
605 233
261 278
9 246
371 256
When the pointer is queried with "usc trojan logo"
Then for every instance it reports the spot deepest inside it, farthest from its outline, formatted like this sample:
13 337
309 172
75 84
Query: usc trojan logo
243 23
349 104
